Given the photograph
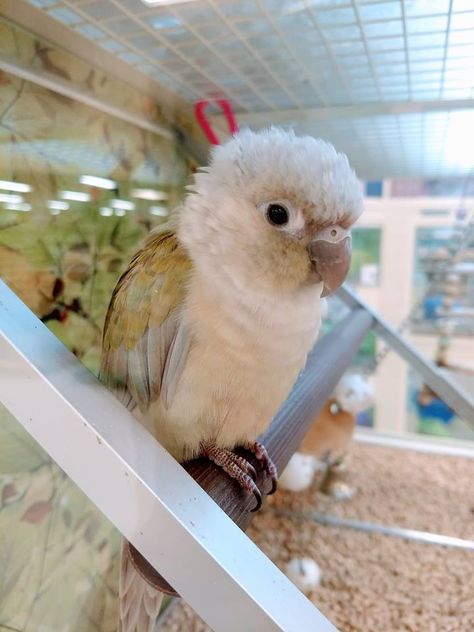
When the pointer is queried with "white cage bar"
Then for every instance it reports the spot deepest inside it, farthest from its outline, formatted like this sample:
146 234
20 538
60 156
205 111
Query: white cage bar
147 495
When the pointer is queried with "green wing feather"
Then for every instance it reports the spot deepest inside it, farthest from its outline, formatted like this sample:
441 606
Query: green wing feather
145 343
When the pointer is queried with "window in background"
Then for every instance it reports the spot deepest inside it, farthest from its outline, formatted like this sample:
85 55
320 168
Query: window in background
444 289
427 414
443 324
443 187
365 266
374 188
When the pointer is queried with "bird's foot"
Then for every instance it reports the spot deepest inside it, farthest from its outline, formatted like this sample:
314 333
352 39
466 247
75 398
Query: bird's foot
269 467
237 468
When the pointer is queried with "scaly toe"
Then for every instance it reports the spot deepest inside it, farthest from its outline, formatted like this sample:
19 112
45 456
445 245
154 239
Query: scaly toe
269 467
237 468
247 467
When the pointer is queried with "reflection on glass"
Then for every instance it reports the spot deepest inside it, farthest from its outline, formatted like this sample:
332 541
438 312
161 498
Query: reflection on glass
78 192
58 555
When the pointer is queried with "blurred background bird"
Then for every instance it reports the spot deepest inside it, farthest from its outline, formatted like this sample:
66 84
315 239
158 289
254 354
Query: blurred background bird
210 325
324 447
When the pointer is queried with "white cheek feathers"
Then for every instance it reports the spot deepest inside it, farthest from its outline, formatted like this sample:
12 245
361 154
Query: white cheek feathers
304 573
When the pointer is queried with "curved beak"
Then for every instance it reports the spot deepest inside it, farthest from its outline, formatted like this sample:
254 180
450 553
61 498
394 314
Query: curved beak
330 256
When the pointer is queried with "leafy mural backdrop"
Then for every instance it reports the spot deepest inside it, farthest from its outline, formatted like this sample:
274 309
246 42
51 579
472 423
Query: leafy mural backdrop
58 554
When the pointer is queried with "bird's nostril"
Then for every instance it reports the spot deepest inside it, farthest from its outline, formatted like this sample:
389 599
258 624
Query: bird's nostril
333 232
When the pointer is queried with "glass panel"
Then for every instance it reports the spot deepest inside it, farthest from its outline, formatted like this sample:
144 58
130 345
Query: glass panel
384 29
389 43
451 292
427 25
80 190
426 7
376 11
58 552
462 21
337 16
445 317
342 33
65 239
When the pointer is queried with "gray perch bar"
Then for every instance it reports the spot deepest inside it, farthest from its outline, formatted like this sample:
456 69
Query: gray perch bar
326 364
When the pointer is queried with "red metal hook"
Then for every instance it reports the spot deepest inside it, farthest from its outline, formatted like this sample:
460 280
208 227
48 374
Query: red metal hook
225 106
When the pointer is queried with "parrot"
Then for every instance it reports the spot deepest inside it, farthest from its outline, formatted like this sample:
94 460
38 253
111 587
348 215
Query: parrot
211 323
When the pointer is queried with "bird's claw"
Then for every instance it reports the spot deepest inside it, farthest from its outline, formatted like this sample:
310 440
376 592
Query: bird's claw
237 468
258 498
241 470
270 468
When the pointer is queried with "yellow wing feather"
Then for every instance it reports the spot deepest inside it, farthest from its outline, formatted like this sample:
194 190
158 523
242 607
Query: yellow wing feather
143 320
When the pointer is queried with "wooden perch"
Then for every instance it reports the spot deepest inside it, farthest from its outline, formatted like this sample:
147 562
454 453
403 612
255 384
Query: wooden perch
326 363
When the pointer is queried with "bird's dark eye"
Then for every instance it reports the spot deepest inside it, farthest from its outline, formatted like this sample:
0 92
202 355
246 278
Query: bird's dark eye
277 215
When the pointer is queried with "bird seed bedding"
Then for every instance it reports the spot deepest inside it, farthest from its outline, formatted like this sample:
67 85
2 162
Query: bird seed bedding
373 582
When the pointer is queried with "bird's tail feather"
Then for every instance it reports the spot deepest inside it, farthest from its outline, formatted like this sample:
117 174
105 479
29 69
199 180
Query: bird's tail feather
139 602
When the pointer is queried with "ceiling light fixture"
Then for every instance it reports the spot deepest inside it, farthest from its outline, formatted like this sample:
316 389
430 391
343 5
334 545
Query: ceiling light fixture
105 211
18 187
159 211
100 183
119 212
123 204
8 198
22 206
75 196
149 194
57 205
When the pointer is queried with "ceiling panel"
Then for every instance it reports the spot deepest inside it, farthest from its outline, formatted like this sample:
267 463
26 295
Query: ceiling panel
273 55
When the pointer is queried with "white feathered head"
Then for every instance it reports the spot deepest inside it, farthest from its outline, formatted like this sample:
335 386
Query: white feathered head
273 211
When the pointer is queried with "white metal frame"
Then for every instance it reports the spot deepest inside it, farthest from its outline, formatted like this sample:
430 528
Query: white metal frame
310 115
70 90
373 527
418 443
148 496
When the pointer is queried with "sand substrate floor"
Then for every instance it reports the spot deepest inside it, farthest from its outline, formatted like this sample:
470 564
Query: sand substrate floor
373 582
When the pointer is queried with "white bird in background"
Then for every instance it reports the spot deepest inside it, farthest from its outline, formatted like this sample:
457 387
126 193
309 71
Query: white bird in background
211 323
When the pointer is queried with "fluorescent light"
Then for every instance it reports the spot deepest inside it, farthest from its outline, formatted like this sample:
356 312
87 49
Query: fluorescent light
10 198
119 212
158 210
106 212
57 205
100 183
149 194
22 206
75 196
123 204
19 187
